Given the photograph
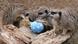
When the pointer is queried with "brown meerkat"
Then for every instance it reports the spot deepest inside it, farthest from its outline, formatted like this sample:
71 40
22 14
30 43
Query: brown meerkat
25 21
65 21
14 15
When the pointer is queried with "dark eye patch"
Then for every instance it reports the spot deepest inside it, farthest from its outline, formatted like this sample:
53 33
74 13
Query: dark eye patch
53 13
40 13
27 14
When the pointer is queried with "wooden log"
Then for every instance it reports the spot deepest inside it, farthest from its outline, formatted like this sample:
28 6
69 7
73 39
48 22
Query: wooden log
12 35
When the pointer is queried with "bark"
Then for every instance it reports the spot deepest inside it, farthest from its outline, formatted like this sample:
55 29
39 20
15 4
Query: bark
12 35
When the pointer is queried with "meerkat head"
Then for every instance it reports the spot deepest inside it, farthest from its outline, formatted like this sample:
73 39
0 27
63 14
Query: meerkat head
39 14
42 14
21 19
25 21
54 16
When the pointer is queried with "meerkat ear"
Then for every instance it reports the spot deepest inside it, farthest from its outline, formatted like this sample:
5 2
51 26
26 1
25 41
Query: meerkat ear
60 14
46 11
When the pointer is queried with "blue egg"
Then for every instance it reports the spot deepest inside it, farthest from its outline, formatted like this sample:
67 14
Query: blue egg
36 27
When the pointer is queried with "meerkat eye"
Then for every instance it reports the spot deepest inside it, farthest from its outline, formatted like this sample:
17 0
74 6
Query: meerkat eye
53 13
27 14
40 13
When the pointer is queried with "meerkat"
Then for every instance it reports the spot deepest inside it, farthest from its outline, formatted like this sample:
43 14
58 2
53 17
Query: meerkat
41 15
14 15
25 21
65 21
